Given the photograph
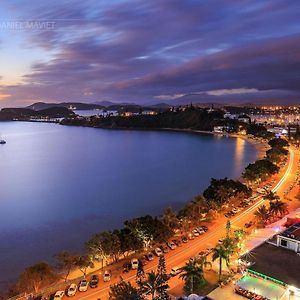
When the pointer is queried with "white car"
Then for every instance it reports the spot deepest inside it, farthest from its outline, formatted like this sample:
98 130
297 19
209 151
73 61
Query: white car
158 252
134 263
201 230
59 295
83 285
195 232
171 245
107 276
72 290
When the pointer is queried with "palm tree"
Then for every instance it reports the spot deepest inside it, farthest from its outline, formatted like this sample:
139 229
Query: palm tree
278 207
262 214
222 254
205 263
192 274
271 196
154 285
228 228
170 219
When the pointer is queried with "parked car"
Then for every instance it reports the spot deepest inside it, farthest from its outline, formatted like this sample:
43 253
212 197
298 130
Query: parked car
106 276
209 250
178 243
184 239
203 253
249 224
171 245
158 252
149 256
134 263
59 295
200 230
94 281
164 248
195 232
191 236
126 267
205 228
71 291
175 271
143 261
83 285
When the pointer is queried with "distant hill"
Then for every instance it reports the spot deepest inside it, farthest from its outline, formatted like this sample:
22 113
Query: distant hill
70 105
160 105
109 103
26 113
134 108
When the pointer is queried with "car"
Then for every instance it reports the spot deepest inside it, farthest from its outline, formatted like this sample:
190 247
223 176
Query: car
134 263
261 191
71 291
158 252
106 276
209 250
248 225
143 261
164 248
171 245
184 239
83 285
126 267
191 236
195 232
178 243
205 228
202 253
175 271
200 230
94 281
228 215
59 295
149 256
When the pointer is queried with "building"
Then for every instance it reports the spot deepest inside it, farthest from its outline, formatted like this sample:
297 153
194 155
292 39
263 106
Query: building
244 119
290 239
273 268
219 129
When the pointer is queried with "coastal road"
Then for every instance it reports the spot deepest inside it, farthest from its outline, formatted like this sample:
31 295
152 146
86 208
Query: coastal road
216 231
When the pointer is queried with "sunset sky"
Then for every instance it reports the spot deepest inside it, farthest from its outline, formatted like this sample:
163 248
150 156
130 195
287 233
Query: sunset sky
149 51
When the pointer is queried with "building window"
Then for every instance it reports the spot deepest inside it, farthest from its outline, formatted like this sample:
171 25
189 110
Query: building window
283 243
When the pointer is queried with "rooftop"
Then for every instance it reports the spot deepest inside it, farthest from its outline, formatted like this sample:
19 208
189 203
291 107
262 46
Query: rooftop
292 232
275 262
262 287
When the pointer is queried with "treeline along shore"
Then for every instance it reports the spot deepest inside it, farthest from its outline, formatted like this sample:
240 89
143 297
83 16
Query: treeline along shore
187 118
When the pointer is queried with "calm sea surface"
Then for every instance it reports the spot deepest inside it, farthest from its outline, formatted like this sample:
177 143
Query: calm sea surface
59 185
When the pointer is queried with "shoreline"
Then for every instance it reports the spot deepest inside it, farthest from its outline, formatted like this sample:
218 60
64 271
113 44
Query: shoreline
259 145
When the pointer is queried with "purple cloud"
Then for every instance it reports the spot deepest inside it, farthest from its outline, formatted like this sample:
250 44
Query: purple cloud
146 50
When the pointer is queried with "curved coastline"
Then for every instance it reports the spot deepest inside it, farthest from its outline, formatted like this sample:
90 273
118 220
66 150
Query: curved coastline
186 131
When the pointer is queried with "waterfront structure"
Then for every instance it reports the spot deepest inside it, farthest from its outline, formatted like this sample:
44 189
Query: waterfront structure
290 239
272 270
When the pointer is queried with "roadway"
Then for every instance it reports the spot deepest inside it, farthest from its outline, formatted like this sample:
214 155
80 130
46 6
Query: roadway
216 231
